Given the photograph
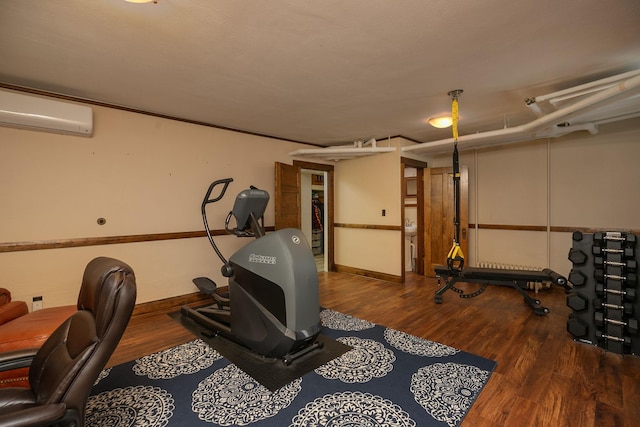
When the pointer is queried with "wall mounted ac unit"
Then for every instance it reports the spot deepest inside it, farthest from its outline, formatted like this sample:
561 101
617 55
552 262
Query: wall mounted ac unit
31 112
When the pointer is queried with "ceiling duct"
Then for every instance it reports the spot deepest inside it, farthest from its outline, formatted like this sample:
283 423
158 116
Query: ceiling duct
359 149
580 108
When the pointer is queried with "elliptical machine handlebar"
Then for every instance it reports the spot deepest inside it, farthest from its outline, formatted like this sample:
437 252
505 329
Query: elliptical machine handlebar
226 269
248 211
214 184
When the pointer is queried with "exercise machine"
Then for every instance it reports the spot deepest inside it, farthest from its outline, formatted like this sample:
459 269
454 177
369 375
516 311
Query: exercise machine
455 271
271 304
516 279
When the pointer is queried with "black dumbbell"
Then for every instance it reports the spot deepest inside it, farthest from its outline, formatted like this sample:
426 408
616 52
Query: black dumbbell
626 307
601 276
577 278
627 238
626 252
602 239
577 302
576 236
631 324
577 257
625 340
629 265
577 327
629 294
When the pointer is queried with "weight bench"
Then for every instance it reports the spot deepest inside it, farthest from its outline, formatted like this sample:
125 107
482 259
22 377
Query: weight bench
516 279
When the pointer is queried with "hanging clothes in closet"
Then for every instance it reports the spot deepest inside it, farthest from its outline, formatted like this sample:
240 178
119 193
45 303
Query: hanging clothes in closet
317 244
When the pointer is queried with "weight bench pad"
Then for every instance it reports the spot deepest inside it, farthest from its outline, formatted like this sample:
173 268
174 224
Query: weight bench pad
476 273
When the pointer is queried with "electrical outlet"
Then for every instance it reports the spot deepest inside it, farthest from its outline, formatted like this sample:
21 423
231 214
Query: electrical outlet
36 304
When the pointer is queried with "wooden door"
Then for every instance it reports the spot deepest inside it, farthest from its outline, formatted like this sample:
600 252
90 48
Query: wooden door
438 215
287 196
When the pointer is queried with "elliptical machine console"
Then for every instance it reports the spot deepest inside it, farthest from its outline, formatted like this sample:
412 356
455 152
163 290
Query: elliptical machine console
271 305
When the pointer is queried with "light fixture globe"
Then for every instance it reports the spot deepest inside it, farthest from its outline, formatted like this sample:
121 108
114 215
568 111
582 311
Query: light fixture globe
441 122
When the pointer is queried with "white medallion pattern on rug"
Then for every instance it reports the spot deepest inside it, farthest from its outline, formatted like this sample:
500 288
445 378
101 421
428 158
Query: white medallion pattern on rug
387 379
136 406
447 390
417 346
348 409
231 397
367 360
102 375
343 322
184 359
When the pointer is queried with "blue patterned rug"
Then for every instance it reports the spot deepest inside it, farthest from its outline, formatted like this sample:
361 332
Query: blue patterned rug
390 378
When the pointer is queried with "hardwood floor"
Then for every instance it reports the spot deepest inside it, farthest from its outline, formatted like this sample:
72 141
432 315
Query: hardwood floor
543 377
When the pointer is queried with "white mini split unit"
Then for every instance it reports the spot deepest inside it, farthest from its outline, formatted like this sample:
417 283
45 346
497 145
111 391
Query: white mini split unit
34 113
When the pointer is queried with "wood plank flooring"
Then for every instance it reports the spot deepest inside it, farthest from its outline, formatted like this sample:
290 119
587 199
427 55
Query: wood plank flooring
543 378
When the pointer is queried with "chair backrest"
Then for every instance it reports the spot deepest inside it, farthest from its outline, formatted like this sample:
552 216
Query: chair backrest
69 362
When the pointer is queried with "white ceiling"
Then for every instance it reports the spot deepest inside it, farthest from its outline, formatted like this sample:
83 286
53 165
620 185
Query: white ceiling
325 72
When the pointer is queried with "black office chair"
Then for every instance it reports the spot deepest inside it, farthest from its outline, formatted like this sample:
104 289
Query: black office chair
67 365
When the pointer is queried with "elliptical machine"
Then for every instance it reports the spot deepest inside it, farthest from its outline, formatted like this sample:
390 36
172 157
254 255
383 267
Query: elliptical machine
271 304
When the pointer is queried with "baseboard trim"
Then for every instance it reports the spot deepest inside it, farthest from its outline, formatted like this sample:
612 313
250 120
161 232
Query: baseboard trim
368 273
170 304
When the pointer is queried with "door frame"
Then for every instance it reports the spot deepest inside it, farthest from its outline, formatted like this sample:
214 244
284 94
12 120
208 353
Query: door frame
420 203
329 205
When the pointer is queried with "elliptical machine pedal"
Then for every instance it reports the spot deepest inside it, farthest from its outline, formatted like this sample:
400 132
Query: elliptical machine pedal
209 287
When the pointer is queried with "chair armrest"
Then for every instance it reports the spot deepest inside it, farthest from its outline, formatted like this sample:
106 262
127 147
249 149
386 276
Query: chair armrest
12 310
5 296
17 359
41 415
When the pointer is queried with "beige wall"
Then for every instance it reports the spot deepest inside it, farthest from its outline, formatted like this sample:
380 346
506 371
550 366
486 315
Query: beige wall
579 180
363 188
143 174
596 180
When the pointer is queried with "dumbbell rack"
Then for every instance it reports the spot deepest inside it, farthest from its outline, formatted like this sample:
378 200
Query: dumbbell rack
604 304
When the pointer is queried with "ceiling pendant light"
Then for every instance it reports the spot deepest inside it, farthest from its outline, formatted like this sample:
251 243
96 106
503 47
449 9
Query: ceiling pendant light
441 122
445 120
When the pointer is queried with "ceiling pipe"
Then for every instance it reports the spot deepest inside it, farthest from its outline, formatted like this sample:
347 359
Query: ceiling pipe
617 118
587 87
341 153
533 130
359 149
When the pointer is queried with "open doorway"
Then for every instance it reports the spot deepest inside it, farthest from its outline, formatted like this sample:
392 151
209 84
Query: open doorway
289 204
413 202
313 210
